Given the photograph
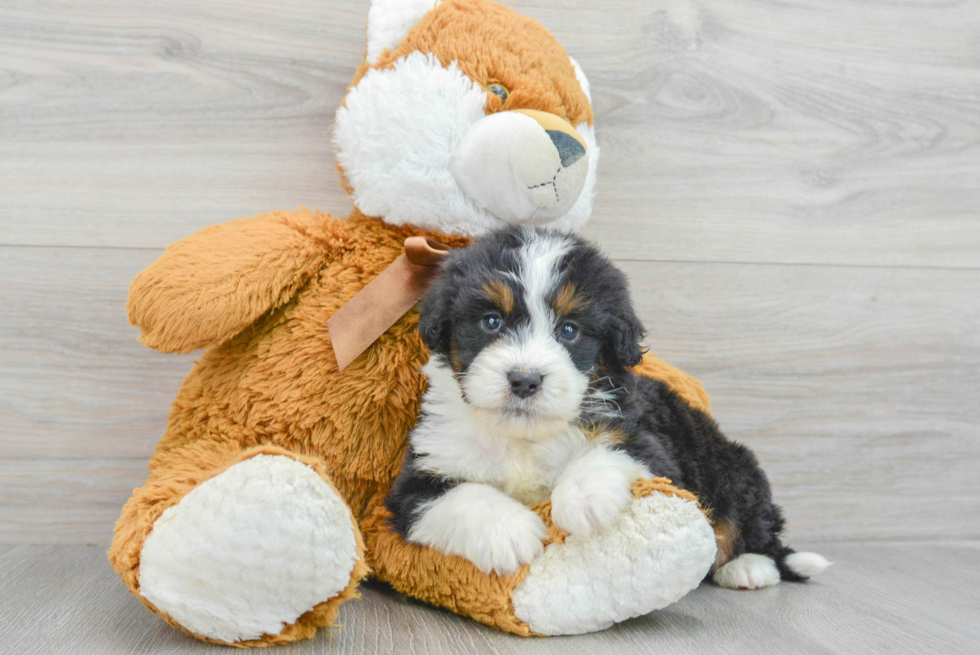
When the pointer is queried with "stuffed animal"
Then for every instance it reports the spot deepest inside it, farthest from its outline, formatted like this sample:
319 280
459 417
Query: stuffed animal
264 505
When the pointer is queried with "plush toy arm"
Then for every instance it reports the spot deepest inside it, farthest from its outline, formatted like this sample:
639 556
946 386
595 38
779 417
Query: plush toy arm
211 285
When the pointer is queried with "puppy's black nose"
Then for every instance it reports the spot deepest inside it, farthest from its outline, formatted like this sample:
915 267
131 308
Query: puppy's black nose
524 385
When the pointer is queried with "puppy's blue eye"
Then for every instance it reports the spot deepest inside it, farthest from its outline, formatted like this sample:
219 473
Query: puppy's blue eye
568 331
491 323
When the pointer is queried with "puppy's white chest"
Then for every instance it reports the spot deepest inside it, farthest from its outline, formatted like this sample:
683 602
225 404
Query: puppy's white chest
528 474
523 469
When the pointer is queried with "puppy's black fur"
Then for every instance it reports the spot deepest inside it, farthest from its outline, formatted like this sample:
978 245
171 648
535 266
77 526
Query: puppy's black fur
671 438
684 444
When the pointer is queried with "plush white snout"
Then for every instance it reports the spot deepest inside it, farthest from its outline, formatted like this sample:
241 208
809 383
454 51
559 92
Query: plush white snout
518 170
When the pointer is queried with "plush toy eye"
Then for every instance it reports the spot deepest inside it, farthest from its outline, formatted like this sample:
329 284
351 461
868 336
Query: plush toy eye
500 91
491 322
568 331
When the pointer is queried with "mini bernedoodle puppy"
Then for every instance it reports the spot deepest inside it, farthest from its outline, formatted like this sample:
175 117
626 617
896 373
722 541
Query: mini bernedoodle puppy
531 396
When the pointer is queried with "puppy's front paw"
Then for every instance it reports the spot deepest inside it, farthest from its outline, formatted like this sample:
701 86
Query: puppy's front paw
506 541
492 530
589 501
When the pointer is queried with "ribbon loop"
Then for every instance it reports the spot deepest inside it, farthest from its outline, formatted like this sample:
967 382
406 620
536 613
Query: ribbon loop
384 300
423 251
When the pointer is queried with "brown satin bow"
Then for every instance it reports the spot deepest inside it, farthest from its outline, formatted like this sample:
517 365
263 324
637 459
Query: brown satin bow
384 300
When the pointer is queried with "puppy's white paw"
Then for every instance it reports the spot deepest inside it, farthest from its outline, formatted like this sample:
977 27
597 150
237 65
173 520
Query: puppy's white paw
506 542
492 530
588 502
748 571
594 491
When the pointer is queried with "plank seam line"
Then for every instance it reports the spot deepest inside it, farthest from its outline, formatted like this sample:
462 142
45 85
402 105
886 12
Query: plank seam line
719 262
711 262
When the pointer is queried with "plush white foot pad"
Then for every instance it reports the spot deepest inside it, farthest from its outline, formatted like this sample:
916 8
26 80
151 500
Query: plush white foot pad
657 551
249 551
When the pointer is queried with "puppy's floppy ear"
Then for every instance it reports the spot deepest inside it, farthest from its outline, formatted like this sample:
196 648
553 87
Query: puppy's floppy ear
435 314
622 346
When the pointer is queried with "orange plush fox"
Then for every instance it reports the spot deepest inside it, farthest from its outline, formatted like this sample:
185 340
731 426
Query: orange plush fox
264 504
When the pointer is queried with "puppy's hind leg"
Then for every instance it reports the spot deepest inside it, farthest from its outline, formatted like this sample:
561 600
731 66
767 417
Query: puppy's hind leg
765 560
792 566
755 571
747 571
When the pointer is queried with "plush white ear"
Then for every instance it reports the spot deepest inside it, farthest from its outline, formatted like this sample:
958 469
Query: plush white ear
583 81
389 22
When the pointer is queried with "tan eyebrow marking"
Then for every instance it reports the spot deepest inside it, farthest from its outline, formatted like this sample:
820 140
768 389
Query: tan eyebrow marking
567 300
500 294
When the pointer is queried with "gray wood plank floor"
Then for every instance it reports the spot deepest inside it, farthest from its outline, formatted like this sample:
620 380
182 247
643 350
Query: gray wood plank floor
876 598
792 187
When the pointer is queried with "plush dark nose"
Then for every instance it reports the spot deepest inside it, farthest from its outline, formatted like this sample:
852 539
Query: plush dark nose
523 384
569 149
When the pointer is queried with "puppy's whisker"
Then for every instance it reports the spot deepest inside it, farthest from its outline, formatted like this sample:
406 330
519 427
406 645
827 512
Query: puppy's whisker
601 402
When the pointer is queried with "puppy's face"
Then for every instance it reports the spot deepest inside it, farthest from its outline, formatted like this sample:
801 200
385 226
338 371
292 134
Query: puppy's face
537 326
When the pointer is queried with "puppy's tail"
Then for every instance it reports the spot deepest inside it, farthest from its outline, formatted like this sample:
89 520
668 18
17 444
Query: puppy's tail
798 567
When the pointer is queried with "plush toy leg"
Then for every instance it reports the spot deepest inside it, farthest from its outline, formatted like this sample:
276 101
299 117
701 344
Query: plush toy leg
246 548
658 550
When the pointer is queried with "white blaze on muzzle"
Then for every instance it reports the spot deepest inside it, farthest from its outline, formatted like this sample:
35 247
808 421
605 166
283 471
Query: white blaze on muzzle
523 166
562 387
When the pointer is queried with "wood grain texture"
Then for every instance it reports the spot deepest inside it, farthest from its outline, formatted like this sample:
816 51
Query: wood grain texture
65 501
858 387
790 131
896 598
844 132
74 381
135 125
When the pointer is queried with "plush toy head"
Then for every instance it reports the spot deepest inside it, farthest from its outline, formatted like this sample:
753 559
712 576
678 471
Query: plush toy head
464 117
